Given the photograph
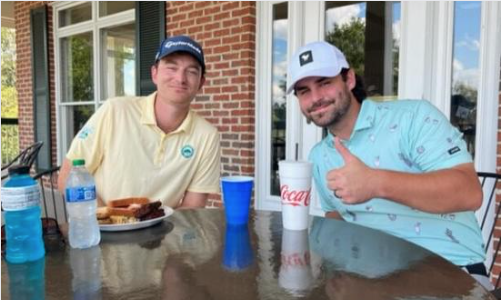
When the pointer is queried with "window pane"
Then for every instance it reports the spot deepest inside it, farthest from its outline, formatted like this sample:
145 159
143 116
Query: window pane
465 68
76 116
279 79
77 68
76 14
107 8
369 35
118 61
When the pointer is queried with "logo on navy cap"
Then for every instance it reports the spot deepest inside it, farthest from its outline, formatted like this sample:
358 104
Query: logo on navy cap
305 58
181 43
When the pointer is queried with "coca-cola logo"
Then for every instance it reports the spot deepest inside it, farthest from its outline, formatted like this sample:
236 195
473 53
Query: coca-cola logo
295 259
294 198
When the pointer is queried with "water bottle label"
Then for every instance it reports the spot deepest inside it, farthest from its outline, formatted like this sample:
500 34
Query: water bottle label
19 198
81 194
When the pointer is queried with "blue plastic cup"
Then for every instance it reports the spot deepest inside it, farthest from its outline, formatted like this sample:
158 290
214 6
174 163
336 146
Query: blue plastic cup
237 192
237 254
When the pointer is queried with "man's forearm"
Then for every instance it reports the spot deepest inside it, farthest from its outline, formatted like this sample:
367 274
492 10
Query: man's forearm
444 191
193 200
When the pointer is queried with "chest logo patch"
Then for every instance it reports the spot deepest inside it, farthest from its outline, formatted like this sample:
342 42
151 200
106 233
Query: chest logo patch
85 132
187 151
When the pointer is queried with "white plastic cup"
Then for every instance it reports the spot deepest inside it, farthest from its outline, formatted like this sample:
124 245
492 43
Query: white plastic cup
295 193
295 274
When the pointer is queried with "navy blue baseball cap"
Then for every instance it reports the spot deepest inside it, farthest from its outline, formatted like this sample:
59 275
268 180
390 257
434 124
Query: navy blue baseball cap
181 43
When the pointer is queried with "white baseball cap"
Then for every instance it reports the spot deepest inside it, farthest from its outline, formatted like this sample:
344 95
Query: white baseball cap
315 59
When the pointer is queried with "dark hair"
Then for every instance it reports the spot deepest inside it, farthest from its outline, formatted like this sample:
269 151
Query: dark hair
359 90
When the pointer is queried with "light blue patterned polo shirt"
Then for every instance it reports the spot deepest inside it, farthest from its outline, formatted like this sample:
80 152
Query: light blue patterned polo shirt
409 136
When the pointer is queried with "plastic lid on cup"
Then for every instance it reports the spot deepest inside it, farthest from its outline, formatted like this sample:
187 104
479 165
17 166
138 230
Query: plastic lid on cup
79 162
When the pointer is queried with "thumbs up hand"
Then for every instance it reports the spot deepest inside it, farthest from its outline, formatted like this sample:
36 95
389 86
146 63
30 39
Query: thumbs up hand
350 183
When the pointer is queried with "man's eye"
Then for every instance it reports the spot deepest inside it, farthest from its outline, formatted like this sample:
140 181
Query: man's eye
302 92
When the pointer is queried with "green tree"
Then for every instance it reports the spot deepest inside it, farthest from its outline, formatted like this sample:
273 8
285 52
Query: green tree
81 71
9 94
10 133
350 39
460 88
396 62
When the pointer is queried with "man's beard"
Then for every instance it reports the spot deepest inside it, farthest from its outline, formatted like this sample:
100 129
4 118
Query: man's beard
335 116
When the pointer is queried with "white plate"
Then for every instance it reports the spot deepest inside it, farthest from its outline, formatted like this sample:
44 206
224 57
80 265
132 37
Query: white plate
138 225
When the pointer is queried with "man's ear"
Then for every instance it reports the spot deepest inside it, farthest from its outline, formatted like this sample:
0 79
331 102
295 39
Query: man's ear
351 79
154 72
202 82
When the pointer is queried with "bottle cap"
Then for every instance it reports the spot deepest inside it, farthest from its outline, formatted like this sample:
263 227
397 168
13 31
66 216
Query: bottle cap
79 162
19 169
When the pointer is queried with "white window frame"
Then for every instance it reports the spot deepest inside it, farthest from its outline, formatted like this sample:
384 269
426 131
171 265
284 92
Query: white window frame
94 25
294 120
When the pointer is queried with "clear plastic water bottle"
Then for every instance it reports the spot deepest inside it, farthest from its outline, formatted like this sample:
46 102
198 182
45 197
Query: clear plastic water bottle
23 226
81 205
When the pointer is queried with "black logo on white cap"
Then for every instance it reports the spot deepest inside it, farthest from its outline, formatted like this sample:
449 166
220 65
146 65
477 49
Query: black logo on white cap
305 58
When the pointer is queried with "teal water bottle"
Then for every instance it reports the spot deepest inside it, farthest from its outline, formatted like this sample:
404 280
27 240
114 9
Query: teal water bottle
23 226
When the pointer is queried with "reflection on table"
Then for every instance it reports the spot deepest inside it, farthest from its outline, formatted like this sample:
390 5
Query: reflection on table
195 255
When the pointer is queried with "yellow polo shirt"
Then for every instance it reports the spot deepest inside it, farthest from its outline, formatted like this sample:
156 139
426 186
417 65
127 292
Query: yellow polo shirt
129 156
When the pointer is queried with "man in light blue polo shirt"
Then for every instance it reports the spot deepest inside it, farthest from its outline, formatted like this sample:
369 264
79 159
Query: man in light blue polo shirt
398 166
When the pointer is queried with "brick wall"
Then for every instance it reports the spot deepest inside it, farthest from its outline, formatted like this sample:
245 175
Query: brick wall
24 80
226 31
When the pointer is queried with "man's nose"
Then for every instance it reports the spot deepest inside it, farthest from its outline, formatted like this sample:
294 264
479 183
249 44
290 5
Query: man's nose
181 76
316 95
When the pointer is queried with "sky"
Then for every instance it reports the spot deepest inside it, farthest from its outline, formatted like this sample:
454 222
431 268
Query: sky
465 43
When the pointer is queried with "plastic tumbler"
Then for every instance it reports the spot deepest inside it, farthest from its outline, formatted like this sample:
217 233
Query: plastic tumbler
237 192
237 254
295 193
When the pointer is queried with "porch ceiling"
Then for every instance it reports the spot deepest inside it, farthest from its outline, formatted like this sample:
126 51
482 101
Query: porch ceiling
8 14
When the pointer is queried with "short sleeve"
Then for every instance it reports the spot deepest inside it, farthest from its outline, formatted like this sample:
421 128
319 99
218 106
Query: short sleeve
432 142
206 178
89 142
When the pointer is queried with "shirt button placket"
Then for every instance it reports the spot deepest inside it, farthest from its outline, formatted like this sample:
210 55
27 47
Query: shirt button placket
160 151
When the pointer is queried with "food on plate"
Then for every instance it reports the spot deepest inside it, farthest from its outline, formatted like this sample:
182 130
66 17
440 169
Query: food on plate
125 202
129 210
102 212
122 220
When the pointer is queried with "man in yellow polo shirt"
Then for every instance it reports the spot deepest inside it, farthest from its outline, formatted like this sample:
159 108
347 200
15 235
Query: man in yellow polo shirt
154 146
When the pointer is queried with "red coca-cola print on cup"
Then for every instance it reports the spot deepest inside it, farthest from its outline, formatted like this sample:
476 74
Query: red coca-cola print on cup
295 193
294 197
